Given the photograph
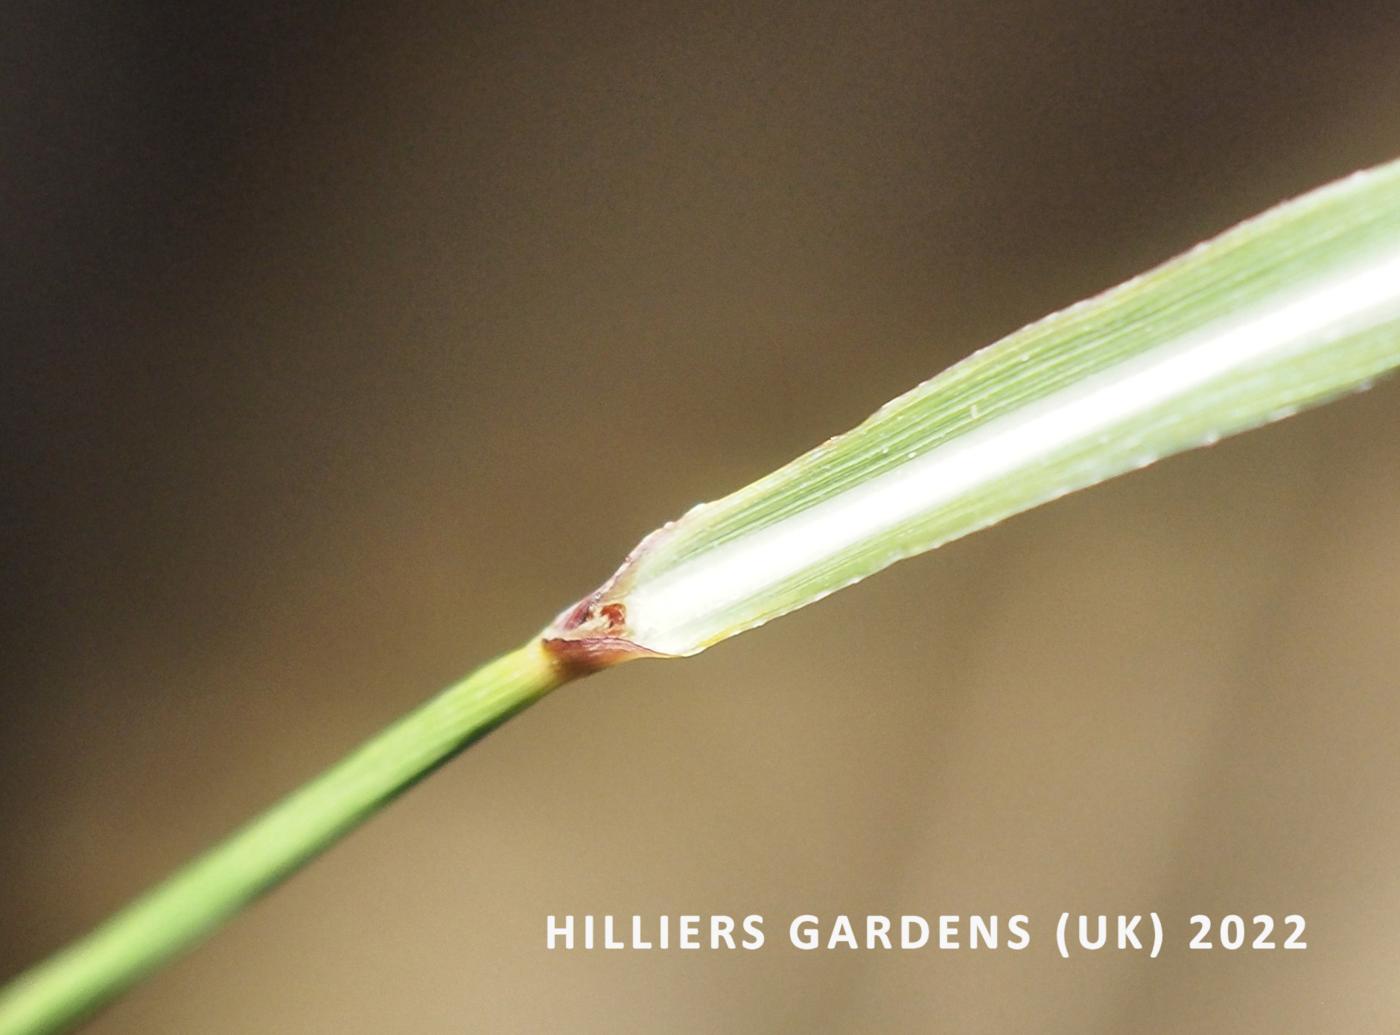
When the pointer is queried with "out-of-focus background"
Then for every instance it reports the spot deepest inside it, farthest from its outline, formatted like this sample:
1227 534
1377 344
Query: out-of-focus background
345 349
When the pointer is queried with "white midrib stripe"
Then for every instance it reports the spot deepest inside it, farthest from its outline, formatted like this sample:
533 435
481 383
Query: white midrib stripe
661 609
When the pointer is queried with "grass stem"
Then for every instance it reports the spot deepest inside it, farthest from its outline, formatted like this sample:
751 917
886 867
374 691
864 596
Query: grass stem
178 913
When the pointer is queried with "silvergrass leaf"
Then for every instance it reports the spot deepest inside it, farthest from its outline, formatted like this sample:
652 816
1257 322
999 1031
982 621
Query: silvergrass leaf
1283 311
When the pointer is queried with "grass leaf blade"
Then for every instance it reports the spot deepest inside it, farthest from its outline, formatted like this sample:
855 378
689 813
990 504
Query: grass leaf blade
1281 312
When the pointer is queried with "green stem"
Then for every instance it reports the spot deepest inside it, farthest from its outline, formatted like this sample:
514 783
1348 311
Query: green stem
173 916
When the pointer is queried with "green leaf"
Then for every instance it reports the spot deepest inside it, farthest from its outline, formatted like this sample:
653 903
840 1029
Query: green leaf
1281 312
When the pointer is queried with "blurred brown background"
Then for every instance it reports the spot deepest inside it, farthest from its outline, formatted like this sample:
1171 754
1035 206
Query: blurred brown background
345 349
